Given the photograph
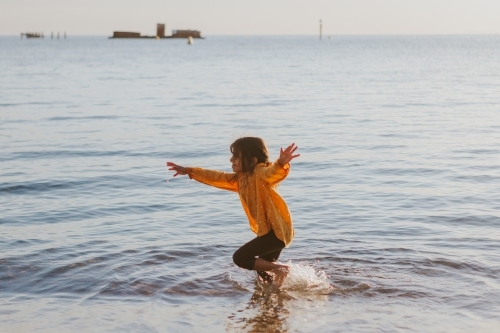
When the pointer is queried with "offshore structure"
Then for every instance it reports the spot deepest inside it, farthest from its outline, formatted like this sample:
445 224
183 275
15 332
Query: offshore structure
32 35
160 33
39 35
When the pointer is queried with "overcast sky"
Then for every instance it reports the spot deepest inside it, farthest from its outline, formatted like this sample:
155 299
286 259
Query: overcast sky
256 17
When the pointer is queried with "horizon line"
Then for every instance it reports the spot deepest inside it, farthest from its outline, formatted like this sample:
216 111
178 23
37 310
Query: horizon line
288 35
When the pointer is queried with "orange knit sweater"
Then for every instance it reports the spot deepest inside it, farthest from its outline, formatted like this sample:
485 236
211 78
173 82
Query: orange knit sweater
265 208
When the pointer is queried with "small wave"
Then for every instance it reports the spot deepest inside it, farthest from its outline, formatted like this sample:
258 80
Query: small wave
478 151
391 292
458 265
34 187
108 181
408 171
26 103
131 287
221 285
483 220
476 179
241 105
99 117
58 154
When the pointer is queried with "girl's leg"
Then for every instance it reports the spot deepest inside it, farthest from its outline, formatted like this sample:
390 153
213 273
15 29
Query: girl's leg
280 271
268 247
262 247
263 265
271 257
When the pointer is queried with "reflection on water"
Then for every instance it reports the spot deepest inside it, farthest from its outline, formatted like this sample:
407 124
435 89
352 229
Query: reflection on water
266 311
272 310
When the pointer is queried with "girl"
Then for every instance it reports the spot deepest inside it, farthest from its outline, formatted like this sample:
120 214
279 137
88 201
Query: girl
255 179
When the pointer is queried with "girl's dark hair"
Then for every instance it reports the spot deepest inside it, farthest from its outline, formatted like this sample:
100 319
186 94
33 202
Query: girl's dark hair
247 148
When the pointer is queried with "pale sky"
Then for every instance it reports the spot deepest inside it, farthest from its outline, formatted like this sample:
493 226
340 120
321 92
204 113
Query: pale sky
256 17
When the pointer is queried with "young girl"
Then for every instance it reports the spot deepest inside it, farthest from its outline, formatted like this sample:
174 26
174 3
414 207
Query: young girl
255 179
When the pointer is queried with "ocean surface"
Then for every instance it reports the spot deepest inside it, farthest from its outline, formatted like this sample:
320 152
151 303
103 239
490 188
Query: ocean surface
395 197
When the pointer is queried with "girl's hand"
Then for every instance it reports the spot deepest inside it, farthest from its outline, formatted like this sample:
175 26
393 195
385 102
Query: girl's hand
287 155
179 170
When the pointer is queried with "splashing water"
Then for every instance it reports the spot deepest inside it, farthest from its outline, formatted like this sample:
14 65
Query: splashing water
305 278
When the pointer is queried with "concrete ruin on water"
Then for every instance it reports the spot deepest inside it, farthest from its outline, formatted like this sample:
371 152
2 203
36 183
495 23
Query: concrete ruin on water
160 33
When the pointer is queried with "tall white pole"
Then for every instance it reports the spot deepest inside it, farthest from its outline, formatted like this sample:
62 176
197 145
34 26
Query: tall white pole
320 29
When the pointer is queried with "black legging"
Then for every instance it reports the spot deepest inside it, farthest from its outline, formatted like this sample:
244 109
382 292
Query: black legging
267 247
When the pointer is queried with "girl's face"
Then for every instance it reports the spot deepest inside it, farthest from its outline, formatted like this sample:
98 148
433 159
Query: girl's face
236 163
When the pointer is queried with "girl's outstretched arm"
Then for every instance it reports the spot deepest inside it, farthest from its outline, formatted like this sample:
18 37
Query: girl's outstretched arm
179 170
287 155
219 179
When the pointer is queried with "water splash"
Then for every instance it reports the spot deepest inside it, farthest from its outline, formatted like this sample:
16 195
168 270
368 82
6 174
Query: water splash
305 278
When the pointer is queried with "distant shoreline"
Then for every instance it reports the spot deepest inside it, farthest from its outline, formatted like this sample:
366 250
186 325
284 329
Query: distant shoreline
106 36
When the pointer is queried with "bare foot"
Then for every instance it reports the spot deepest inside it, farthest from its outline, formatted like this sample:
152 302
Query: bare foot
280 275
265 277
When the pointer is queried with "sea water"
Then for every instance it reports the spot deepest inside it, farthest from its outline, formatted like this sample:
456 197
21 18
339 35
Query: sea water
395 197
